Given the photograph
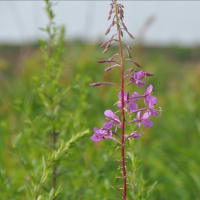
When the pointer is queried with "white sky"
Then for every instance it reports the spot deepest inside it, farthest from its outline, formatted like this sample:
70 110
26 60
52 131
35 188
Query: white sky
175 21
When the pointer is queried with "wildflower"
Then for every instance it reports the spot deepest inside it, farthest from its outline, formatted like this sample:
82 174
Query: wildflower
137 77
148 92
112 118
129 102
125 98
151 101
143 119
100 134
134 97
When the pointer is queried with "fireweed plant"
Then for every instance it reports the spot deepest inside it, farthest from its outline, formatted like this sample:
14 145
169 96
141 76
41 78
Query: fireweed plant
139 108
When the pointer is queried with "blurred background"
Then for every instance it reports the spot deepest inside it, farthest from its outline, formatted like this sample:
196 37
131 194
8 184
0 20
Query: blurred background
175 21
167 43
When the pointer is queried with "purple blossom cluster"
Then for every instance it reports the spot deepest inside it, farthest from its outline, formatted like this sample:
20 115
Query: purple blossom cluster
139 115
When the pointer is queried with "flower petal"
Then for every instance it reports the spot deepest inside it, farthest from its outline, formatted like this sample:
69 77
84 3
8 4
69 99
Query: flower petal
146 115
112 116
125 96
109 113
138 124
133 107
147 123
108 125
140 83
151 100
96 138
138 115
148 90
154 112
139 75
134 97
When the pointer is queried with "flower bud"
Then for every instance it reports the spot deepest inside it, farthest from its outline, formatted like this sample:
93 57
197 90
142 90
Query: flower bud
101 83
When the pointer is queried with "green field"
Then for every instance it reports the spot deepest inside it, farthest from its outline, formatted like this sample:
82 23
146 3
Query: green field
167 154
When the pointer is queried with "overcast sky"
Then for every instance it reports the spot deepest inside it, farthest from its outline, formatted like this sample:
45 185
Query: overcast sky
174 21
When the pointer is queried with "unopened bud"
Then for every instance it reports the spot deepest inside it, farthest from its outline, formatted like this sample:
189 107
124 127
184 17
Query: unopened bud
111 67
101 83
105 61
131 35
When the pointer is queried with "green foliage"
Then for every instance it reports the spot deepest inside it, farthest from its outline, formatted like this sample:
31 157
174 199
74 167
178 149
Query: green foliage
49 91
167 155
51 123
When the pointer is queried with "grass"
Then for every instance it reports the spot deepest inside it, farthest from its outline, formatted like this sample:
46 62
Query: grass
168 152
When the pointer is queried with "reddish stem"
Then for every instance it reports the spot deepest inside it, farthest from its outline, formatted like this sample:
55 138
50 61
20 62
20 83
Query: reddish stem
122 105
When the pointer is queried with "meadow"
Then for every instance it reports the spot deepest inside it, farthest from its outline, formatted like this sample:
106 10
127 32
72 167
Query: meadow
49 149
168 153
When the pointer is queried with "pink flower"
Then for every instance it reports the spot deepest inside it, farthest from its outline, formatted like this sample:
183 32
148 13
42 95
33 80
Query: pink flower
112 118
138 76
143 119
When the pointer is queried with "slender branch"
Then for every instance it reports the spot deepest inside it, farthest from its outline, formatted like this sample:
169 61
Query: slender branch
122 104
54 173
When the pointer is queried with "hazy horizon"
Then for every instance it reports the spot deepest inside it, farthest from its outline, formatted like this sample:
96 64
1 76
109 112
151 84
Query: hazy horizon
174 21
